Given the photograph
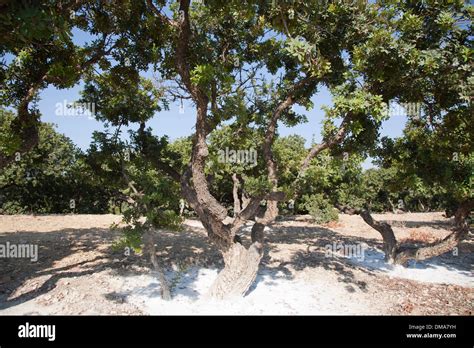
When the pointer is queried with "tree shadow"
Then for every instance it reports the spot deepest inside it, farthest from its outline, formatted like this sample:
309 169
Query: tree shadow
189 249
319 239
435 224
53 247
22 280
321 251
183 284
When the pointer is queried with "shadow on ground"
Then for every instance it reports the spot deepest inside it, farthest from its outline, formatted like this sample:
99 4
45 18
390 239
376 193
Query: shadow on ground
70 253
317 240
78 249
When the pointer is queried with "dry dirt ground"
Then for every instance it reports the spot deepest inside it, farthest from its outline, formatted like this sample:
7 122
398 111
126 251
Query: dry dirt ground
78 272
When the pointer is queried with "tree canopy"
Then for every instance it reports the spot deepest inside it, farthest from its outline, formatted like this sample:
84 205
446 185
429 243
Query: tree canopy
244 66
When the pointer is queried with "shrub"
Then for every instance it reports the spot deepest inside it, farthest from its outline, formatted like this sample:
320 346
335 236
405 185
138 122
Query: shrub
319 208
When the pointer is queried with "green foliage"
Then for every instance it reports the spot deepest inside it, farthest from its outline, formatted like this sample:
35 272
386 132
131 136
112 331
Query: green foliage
152 199
256 186
9 141
53 178
121 96
319 208
245 58
131 238
305 54
289 152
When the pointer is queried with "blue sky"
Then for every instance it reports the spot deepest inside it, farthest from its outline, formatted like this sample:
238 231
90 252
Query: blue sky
175 124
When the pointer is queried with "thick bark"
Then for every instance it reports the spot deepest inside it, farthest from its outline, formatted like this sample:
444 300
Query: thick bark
241 265
217 232
389 240
200 153
240 271
235 194
150 249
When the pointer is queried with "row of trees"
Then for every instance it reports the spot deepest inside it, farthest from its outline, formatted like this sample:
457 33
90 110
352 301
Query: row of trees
56 177
244 65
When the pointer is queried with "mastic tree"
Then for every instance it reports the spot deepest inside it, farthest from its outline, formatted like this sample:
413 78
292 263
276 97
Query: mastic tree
420 54
433 160
243 62
38 49
249 64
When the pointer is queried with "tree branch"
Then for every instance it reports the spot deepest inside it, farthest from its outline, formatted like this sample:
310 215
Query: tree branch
316 149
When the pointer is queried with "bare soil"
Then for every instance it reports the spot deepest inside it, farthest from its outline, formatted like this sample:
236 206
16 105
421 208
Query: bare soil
78 272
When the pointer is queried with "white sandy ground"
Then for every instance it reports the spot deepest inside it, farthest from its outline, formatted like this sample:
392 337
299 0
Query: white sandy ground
294 280
270 296
278 295
434 271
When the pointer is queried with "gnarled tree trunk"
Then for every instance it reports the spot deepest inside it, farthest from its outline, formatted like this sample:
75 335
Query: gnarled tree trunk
240 271
401 254
389 241
241 264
